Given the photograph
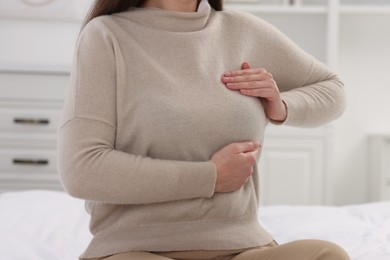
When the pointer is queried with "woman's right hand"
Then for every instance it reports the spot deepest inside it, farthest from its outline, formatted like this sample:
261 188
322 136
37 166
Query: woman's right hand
234 164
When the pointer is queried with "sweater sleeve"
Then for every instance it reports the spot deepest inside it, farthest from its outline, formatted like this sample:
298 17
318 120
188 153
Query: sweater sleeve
313 94
318 100
89 165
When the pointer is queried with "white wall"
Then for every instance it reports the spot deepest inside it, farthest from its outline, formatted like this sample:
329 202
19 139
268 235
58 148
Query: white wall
364 65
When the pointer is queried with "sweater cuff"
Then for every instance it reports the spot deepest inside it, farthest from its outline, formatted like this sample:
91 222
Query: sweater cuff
204 184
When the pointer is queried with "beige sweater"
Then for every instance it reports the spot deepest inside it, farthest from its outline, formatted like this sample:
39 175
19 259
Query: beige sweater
147 110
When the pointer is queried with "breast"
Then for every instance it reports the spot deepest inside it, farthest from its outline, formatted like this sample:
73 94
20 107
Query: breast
186 120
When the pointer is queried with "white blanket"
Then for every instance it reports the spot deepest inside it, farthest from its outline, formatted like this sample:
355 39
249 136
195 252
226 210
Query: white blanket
46 225
363 230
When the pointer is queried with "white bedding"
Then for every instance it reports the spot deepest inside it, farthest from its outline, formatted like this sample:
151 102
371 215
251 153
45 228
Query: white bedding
48 225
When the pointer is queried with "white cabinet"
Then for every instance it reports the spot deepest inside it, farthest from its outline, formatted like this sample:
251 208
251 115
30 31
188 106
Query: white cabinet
292 171
30 105
293 166
379 167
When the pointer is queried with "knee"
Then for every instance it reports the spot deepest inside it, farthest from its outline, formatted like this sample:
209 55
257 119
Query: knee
330 251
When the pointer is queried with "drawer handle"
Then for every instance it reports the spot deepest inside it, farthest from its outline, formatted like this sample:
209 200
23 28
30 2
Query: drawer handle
30 162
31 121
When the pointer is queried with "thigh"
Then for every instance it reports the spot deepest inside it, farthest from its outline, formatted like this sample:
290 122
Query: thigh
297 250
135 256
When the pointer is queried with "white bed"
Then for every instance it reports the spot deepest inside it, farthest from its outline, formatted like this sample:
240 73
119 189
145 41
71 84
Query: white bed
47 225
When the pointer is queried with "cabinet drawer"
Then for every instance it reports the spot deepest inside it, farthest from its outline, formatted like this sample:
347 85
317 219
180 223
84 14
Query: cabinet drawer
28 161
24 181
28 184
40 87
29 121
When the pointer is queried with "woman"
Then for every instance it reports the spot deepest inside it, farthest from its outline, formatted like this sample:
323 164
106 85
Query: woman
164 123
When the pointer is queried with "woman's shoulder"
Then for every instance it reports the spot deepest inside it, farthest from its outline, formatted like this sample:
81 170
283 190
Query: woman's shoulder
238 16
248 23
100 23
245 20
101 27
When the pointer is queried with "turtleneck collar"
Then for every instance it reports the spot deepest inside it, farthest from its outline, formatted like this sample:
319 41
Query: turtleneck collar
170 20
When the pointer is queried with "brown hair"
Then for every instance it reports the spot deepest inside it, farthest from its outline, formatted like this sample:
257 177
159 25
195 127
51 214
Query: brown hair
103 7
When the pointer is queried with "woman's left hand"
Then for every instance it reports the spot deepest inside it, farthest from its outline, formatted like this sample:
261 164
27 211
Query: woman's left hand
258 82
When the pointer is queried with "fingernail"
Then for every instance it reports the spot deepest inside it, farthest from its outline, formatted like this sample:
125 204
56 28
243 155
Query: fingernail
228 73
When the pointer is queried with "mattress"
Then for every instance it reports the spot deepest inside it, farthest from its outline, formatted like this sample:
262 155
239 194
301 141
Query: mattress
48 225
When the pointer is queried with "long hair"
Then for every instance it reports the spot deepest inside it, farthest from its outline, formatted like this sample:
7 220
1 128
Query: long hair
103 7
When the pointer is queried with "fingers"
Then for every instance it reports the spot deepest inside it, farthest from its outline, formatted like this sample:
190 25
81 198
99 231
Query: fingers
244 72
245 65
254 82
259 84
257 92
263 89
248 78
244 147
238 80
252 156
235 164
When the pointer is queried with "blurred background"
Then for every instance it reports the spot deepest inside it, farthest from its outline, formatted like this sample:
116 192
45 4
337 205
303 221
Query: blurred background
345 162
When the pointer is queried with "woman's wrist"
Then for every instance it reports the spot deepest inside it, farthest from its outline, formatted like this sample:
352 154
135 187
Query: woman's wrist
279 113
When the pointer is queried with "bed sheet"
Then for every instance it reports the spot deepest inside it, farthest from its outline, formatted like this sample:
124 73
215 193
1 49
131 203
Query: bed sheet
48 225
362 230
42 225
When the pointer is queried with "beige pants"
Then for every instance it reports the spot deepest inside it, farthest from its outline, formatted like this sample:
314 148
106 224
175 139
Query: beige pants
297 250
